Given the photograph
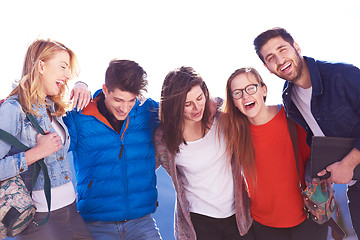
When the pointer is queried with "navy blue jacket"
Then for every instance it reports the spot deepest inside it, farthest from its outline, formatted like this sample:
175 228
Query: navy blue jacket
335 102
115 171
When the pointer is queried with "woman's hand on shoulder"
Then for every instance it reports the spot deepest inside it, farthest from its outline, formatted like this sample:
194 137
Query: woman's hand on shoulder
80 95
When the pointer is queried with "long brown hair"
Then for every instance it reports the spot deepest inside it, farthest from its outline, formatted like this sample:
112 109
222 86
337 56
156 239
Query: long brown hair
237 129
176 85
30 85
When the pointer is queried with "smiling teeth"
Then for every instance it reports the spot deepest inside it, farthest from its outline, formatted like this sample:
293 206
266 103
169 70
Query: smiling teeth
286 66
249 103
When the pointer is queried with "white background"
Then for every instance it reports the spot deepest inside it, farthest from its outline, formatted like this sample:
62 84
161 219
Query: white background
214 37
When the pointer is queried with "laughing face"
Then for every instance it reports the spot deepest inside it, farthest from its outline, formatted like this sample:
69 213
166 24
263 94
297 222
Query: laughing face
253 105
54 73
282 59
195 104
118 102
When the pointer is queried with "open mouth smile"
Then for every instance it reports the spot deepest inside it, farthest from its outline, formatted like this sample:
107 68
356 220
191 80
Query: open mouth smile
286 67
249 104
120 112
59 83
196 115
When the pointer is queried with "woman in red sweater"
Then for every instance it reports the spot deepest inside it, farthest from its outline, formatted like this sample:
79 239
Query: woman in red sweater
258 135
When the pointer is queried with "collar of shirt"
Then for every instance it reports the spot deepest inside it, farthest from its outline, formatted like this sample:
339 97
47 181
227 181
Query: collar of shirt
116 124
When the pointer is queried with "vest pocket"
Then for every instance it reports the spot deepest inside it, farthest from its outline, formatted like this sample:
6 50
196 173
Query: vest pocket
85 192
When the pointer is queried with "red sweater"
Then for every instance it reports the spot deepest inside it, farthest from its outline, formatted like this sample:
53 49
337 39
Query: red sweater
276 200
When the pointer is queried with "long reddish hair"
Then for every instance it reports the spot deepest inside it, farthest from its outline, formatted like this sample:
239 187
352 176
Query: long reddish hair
236 128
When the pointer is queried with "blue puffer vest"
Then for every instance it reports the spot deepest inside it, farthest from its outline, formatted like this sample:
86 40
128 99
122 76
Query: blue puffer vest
115 172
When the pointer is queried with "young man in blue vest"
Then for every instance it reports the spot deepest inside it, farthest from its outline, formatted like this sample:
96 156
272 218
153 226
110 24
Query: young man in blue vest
322 97
113 149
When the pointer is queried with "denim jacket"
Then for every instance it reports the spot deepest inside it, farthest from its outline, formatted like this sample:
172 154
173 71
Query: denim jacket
335 101
13 161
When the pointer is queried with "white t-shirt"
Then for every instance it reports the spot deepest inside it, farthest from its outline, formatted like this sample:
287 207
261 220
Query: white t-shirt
302 97
61 196
206 174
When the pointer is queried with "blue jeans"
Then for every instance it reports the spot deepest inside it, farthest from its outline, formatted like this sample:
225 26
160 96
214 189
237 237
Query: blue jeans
143 228
353 193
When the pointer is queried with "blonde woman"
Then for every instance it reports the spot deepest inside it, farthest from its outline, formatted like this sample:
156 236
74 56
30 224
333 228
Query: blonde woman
48 67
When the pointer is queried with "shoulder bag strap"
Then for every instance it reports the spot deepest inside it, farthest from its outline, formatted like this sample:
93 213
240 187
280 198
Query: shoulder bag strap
336 231
293 136
40 165
9 138
35 123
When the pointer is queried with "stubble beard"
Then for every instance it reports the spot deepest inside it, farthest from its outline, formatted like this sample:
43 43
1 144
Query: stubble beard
298 69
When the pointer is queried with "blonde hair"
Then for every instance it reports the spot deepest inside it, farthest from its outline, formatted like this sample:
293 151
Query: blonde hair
30 84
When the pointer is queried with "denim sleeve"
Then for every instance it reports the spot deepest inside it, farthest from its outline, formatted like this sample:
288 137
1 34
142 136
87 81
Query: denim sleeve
351 77
12 162
71 126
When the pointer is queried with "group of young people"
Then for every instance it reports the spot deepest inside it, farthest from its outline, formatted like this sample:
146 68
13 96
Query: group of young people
232 163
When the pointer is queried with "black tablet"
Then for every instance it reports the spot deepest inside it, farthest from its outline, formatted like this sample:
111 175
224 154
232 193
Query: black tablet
327 150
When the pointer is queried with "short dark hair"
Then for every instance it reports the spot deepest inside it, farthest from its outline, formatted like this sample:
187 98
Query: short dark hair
126 75
264 37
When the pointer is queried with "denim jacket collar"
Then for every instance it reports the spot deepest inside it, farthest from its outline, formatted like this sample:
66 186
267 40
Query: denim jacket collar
317 88
41 109
51 105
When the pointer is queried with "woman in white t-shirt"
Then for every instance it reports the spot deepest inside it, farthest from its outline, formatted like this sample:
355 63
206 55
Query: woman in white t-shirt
211 199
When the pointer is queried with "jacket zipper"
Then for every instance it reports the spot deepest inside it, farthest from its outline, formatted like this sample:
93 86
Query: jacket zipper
125 172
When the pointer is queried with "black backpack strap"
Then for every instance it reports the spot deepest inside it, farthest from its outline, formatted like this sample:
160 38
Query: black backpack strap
32 120
35 123
9 138
293 136
38 165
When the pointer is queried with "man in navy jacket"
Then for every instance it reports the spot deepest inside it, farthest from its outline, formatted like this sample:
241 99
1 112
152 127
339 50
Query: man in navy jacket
322 97
114 156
